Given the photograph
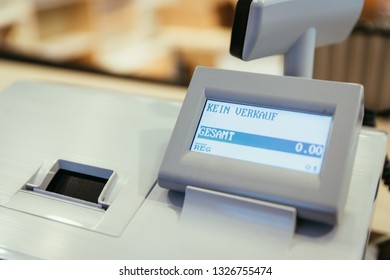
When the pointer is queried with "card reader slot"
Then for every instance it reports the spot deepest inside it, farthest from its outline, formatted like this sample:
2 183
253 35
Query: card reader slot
64 197
74 187
74 182
77 185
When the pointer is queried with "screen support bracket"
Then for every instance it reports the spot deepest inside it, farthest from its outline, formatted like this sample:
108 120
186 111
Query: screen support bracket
213 211
299 60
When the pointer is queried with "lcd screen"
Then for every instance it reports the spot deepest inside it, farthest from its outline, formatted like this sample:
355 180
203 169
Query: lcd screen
276 137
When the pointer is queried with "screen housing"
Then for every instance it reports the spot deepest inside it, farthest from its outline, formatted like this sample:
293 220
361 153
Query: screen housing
317 197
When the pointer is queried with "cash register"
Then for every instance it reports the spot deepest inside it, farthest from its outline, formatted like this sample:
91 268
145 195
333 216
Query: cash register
249 166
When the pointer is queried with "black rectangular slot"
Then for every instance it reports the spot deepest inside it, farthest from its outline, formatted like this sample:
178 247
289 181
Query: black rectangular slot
77 185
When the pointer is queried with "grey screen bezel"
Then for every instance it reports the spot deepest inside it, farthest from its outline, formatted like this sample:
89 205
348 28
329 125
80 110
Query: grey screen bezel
318 197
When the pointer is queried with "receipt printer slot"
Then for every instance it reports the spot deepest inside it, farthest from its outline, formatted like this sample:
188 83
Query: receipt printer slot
75 182
77 185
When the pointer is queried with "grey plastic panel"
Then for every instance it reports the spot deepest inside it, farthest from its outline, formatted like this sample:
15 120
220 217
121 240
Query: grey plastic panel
317 197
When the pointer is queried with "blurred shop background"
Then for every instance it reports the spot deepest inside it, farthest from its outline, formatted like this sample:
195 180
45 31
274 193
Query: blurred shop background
157 40
165 40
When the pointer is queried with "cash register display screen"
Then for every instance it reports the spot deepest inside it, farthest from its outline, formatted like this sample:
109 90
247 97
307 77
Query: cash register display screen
281 138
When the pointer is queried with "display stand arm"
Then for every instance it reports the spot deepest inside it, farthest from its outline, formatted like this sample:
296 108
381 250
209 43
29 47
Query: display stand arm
299 60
